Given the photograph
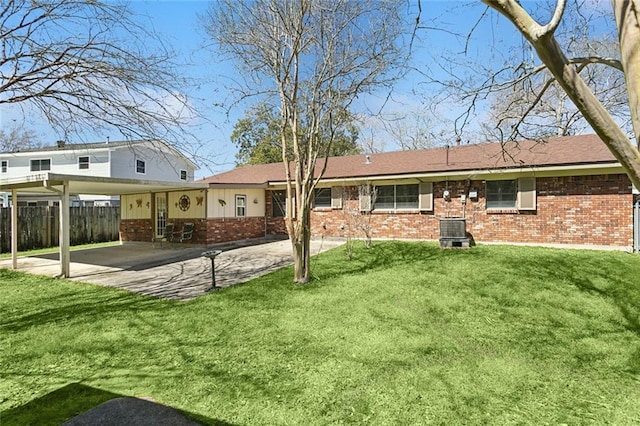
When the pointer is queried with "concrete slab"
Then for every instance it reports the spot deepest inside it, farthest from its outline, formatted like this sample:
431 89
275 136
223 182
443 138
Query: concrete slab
177 272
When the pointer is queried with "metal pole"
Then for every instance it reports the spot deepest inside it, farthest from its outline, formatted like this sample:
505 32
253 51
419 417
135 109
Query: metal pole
213 273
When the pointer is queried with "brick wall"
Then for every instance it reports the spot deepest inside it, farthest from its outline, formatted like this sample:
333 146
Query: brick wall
136 230
234 229
592 210
206 231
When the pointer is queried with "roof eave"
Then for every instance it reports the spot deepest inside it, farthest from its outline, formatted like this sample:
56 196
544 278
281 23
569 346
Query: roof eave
605 167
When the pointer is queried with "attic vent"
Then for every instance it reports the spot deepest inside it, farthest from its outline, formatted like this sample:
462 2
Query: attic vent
367 159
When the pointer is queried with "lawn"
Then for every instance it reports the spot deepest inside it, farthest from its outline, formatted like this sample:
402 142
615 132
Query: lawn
405 333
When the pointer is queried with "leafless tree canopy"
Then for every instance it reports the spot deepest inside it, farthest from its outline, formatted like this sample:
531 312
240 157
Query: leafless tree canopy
312 58
15 138
567 72
87 64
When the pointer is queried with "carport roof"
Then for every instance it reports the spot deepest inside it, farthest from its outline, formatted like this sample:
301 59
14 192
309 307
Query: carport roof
78 184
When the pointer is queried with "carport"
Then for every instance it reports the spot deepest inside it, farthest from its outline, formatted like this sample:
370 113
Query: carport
65 185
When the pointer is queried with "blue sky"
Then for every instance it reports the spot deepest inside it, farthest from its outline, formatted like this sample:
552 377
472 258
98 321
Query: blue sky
177 21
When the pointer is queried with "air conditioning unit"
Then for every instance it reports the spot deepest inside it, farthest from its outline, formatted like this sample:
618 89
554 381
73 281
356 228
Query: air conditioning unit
453 233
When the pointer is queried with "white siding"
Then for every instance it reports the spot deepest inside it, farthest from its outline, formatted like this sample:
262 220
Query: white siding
216 209
162 166
65 162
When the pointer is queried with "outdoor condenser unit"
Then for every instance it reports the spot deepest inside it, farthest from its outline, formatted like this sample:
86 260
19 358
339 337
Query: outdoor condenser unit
453 233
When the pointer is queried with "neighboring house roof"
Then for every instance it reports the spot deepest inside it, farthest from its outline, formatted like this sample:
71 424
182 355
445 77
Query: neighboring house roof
568 150
64 147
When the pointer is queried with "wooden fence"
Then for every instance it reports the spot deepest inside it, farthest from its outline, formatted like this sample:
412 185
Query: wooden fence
39 227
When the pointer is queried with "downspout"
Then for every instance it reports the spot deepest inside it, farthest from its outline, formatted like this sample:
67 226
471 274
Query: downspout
636 225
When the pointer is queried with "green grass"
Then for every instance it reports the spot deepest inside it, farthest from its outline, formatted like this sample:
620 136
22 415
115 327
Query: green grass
405 333
48 250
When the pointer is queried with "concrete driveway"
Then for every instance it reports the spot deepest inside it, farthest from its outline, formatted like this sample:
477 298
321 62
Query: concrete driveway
177 272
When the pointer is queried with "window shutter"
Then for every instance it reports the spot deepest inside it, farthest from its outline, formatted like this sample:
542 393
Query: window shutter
365 198
336 197
526 194
425 197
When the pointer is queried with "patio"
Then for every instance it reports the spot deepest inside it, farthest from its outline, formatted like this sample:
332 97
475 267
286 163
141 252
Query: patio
173 271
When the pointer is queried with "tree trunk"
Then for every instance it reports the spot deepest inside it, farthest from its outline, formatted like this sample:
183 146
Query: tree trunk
628 22
566 75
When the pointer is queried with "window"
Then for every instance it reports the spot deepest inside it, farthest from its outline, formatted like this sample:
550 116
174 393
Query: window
4 165
502 194
278 203
141 167
241 205
83 163
322 198
396 197
40 165
183 175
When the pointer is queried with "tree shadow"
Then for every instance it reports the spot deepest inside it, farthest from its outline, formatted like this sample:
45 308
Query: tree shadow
67 402
602 278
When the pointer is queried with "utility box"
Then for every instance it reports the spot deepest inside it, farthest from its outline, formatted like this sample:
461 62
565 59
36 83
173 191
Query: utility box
453 233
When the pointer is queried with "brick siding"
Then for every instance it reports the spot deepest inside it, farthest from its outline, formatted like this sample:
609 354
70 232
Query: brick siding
589 210
206 231
234 229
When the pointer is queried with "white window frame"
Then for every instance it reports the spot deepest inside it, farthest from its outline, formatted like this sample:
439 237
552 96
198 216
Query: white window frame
144 166
39 160
82 163
185 173
241 203
4 166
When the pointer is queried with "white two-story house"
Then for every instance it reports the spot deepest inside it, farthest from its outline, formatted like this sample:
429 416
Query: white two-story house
142 159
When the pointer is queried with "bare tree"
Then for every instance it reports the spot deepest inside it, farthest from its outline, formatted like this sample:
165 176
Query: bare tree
89 64
531 104
356 217
16 138
316 57
417 130
567 72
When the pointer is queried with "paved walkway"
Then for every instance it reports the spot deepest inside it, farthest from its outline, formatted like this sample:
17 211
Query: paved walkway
173 272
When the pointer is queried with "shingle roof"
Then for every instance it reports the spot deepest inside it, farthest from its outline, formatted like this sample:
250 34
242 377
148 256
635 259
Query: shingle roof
568 150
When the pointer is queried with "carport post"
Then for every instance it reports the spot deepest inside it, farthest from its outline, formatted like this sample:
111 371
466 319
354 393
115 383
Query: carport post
14 228
64 230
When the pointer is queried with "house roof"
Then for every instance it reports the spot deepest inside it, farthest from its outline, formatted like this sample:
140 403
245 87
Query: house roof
560 151
70 147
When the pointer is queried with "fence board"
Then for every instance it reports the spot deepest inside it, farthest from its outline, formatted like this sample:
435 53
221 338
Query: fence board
39 226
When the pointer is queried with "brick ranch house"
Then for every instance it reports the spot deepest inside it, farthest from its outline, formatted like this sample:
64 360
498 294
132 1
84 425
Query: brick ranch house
567 190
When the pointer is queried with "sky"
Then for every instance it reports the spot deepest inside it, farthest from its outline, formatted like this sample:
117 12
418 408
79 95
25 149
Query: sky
178 22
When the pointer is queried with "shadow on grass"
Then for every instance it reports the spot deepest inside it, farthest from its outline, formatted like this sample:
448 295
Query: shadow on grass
86 305
386 255
69 401
611 278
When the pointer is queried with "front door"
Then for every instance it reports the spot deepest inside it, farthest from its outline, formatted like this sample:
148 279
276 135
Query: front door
161 214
